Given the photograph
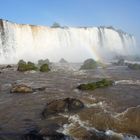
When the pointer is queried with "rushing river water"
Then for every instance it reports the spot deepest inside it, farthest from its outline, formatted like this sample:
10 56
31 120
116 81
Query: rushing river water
20 112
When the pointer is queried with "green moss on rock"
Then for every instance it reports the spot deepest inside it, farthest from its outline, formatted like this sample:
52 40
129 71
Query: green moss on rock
44 68
23 66
94 85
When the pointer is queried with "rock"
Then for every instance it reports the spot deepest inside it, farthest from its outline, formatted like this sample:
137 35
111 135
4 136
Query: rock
8 66
21 89
62 106
23 66
134 66
44 134
49 134
99 84
44 68
89 64
62 60
41 62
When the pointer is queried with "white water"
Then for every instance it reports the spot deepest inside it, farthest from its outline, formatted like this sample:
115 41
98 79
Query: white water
74 44
75 119
128 82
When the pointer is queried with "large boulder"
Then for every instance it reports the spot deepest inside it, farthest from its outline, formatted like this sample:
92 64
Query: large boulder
62 106
21 89
23 66
89 64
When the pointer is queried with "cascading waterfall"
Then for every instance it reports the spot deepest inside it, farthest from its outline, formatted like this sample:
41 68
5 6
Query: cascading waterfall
29 42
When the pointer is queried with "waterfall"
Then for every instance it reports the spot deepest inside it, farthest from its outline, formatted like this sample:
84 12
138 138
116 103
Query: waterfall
30 42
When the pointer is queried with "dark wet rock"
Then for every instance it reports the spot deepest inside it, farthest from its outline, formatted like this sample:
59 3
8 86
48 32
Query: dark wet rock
62 60
89 64
32 135
44 68
61 106
21 89
99 84
8 66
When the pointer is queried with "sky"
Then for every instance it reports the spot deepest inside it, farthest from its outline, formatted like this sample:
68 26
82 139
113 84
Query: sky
122 14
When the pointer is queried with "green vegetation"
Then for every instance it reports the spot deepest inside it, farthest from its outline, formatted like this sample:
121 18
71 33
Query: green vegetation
99 84
134 66
23 66
44 68
89 64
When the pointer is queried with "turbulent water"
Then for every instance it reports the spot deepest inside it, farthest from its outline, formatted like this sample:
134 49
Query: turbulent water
34 42
111 113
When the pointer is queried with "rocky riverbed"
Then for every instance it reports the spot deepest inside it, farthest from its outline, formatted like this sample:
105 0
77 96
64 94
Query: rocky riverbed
110 113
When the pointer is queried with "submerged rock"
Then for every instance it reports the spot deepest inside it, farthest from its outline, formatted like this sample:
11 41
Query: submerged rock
99 84
61 106
21 89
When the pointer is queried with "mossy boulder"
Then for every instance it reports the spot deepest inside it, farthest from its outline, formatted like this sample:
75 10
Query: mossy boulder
93 85
31 66
89 64
43 61
134 66
44 68
23 66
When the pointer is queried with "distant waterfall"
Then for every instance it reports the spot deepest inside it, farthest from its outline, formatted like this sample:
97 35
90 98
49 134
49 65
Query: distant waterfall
31 42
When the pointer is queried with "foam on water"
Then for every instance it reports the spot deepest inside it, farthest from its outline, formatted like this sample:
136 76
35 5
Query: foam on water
127 82
75 119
